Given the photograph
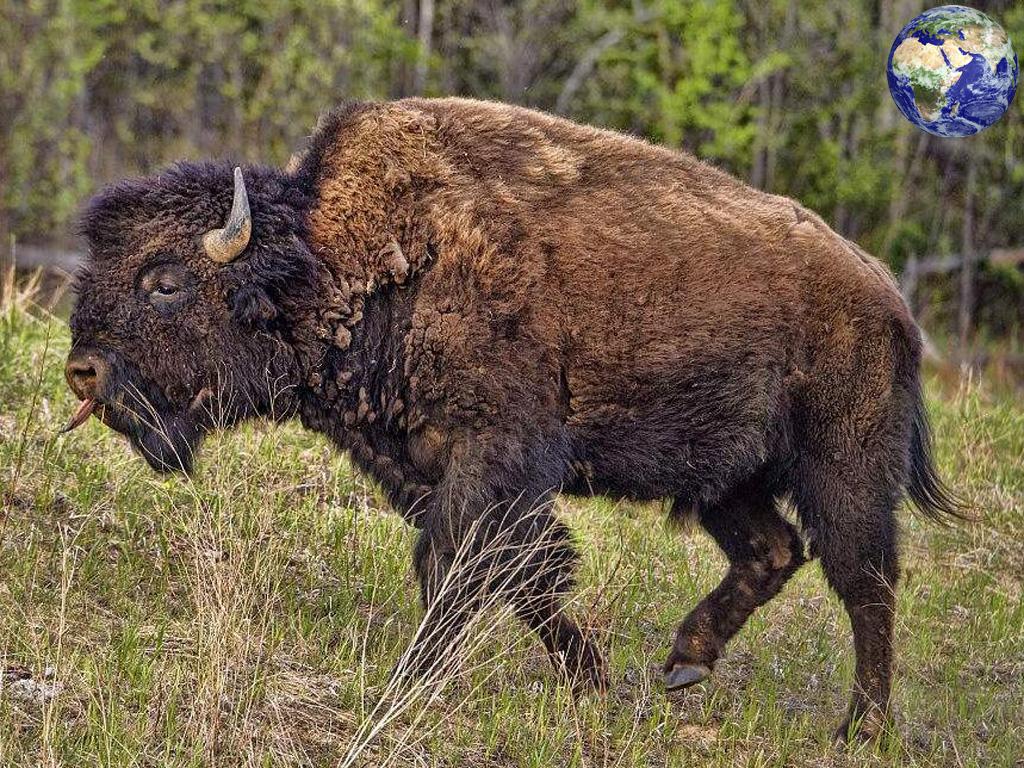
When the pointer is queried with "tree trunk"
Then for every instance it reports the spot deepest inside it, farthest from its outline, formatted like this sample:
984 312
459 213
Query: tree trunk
424 34
776 102
758 170
966 314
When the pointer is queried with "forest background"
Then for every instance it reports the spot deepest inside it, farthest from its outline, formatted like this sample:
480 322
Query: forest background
790 95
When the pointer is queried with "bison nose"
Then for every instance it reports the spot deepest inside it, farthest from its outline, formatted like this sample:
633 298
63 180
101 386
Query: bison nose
87 374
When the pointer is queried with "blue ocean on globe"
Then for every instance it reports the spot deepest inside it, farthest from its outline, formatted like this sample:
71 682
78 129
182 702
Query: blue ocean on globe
952 71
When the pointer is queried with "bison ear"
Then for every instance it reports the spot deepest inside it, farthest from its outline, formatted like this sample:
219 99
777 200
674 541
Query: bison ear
251 306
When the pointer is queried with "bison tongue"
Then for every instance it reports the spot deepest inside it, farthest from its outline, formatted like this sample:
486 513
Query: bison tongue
85 409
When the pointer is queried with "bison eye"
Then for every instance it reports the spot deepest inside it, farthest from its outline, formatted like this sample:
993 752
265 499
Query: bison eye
165 290
165 286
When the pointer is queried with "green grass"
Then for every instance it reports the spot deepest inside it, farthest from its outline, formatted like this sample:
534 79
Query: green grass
251 615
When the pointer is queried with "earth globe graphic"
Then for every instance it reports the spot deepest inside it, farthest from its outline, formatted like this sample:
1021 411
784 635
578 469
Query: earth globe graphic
952 71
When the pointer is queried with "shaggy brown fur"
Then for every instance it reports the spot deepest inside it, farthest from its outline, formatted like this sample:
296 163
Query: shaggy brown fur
486 305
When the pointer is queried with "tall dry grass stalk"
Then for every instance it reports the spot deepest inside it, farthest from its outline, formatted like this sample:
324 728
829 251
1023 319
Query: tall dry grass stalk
34 292
230 577
15 297
408 695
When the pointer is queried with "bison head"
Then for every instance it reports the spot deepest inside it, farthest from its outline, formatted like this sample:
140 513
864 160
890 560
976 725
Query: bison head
181 322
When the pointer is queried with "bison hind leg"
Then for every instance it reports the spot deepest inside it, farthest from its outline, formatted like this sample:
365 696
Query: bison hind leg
855 535
763 549
855 443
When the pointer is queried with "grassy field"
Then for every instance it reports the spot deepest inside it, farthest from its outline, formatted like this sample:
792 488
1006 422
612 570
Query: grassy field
251 615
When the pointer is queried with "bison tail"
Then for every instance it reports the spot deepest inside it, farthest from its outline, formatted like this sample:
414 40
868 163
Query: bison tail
926 489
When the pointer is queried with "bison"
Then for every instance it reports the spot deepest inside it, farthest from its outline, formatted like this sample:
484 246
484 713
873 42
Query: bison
485 305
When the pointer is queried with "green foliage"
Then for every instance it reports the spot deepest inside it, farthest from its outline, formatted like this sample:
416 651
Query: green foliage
97 89
678 72
43 66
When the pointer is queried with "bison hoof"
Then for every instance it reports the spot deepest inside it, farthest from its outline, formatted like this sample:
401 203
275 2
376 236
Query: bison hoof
585 673
685 675
588 682
861 729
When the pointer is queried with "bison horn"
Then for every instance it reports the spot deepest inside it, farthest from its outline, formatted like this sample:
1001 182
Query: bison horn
225 245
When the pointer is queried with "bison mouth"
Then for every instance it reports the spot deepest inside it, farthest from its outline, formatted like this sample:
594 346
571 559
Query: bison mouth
165 438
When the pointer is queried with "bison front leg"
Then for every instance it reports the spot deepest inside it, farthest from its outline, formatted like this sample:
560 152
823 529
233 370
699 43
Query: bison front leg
497 542
449 603
539 601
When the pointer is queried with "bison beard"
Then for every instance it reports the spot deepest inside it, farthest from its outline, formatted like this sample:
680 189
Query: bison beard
168 446
485 305
167 440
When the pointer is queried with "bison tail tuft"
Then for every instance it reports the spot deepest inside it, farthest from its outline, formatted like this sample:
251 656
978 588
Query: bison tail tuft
926 489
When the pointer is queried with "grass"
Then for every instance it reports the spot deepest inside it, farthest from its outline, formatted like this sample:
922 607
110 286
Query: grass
252 614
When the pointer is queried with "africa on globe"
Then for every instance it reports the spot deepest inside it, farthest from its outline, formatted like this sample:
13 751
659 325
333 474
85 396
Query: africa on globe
952 71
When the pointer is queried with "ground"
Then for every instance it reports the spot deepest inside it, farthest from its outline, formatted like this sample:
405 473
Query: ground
252 614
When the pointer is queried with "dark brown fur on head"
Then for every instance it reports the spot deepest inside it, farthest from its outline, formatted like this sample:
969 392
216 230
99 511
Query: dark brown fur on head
221 347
